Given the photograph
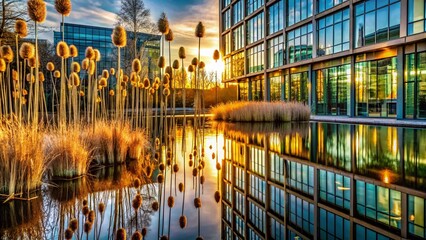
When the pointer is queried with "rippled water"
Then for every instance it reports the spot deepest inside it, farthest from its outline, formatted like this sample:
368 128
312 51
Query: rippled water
284 181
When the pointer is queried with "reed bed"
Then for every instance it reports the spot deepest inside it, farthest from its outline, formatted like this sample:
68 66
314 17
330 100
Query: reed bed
261 112
22 162
68 155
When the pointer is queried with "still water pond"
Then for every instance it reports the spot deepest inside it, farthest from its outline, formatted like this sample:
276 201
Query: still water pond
290 181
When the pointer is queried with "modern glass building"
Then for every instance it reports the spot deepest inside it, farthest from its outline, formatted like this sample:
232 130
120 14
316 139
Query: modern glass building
83 36
363 58
324 181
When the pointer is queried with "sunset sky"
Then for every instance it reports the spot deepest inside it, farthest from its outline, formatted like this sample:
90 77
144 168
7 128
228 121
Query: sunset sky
183 17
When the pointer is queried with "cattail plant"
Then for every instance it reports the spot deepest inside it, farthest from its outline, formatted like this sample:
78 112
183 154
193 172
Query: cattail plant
37 13
119 39
62 50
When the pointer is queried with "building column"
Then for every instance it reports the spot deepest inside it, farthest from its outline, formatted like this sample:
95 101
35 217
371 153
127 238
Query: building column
352 93
310 89
400 113
313 92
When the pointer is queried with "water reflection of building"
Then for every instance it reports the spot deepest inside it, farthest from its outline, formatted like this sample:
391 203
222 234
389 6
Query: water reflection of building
362 58
333 182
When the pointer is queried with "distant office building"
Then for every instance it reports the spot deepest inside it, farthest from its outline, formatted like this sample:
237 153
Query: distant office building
342 57
83 36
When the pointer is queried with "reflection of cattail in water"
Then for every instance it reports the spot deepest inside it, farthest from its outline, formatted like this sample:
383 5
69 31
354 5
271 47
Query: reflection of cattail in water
182 222
137 236
91 216
73 225
121 234
137 184
69 234
87 228
101 210
136 204
164 238
160 180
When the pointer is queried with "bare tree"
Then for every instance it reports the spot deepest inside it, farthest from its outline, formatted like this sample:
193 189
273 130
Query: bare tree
135 17
11 10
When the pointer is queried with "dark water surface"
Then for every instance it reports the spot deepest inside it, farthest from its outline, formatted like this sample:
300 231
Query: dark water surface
288 181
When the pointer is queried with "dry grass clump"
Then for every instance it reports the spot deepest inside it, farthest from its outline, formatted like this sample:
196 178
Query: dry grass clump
138 142
21 158
261 112
68 154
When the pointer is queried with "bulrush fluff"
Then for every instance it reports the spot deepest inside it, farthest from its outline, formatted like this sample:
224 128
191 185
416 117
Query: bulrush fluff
37 10
119 36
63 7
27 50
62 50
21 28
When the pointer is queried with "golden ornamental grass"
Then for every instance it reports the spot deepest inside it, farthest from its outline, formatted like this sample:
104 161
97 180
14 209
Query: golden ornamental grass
63 7
27 50
21 28
119 36
37 10
163 24
6 53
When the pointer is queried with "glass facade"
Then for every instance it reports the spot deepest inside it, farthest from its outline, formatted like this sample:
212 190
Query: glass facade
255 29
296 87
301 214
253 5
226 19
363 233
415 85
298 10
300 177
256 58
257 87
237 11
332 90
276 17
227 43
416 16
323 5
376 21
299 43
335 189
237 64
376 88
332 226
275 84
238 38
333 33
416 216
276 52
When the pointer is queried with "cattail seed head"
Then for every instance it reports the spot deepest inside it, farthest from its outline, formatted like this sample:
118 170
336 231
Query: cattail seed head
73 224
119 36
133 77
6 53
199 238
68 234
85 64
75 79
148 171
41 77
171 201
217 196
81 93
21 28
2 65
136 66
201 65
87 227
169 71
194 61
30 77
27 50
105 74
200 30
90 53
218 166
161 167
146 83
216 55
166 92
191 163
176 64
161 62
137 236
160 178
175 168
37 10
155 206
92 216
75 66
62 50
137 183
203 163
85 202
197 202
190 68
112 71
50 67
194 172
182 54
63 7
121 234
111 92
101 207
202 179
137 202
169 36
213 156
73 51
15 76
57 74
92 67
32 62
163 24
124 93
85 210
24 92
169 162
103 82
166 79
97 57
182 222
181 187
164 237
144 232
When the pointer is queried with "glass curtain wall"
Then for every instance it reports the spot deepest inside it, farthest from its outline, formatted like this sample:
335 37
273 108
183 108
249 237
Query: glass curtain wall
415 85
376 88
296 87
333 90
